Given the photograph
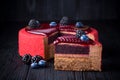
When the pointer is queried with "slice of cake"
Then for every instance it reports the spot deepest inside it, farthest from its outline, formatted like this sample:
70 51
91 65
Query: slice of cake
74 54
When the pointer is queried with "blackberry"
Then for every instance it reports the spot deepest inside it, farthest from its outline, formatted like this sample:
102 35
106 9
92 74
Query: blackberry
79 33
26 59
33 24
64 21
36 58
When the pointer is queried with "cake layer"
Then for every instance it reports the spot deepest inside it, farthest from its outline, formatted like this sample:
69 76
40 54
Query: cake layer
72 39
50 51
79 62
72 45
71 49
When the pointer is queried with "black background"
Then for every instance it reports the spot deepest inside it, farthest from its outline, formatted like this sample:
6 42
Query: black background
47 10
100 14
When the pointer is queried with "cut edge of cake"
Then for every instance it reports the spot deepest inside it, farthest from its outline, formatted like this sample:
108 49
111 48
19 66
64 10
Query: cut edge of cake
80 62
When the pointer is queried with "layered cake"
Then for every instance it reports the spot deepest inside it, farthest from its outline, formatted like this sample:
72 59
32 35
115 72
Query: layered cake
73 46
77 48
74 54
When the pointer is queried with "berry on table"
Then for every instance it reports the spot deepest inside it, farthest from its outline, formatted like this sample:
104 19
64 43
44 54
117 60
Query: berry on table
36 58
26 59
34 65
42 63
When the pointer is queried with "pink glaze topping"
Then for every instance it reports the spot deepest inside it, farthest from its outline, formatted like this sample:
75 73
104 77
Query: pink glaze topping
72 39
44 29
71 28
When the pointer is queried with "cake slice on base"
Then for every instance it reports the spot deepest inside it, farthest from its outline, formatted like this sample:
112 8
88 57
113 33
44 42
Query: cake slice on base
76 55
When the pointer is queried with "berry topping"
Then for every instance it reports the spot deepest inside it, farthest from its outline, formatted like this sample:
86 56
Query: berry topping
73 39
84 38
33 24
64 21
36 58
79 33
42 63
26 58
79 24
53 24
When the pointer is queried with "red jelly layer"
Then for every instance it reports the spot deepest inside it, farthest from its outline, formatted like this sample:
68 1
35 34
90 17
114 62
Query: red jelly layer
45 32
71 49
31 44
44 29
72 39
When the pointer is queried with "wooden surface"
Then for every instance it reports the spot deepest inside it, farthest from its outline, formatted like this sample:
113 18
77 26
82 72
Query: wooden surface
12 68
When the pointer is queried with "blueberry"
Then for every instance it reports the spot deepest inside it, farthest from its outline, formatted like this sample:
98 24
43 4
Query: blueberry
26 59
34 65
36 58
33 23
84 38
42 63
53 24
79 24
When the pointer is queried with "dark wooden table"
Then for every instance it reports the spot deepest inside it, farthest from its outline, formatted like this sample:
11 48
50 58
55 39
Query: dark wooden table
12 68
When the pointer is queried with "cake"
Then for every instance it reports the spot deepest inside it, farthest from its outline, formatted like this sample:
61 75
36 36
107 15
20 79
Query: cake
73 54
69 44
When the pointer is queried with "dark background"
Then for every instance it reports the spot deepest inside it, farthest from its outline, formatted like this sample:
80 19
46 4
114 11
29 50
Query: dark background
100 14
47 10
